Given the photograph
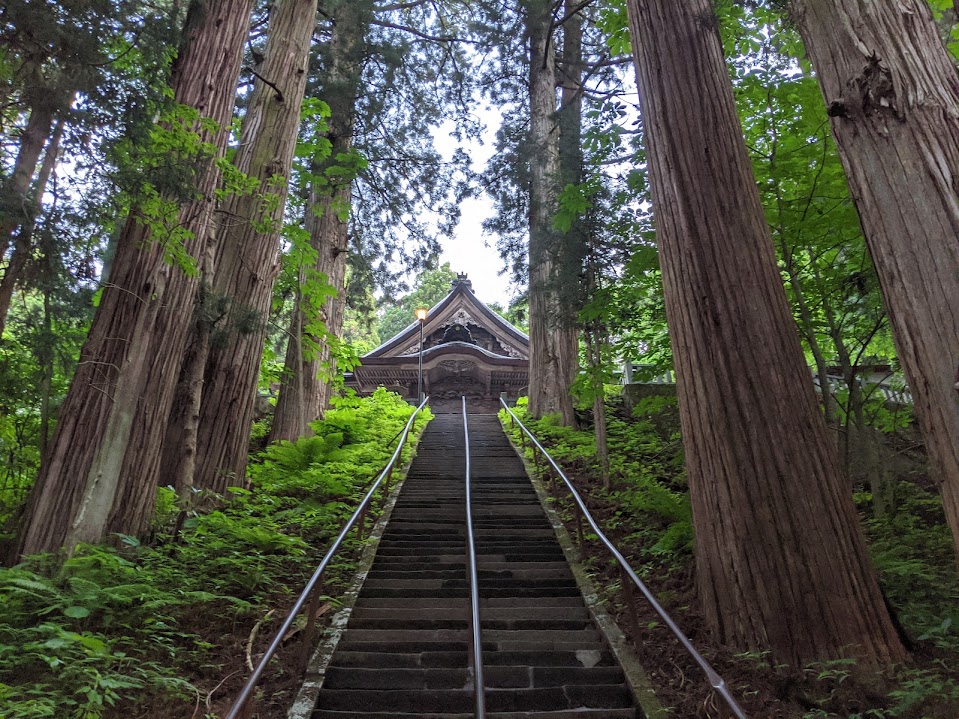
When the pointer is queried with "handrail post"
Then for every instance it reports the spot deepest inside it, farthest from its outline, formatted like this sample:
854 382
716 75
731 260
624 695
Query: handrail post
307 642
579 534
386 487
361 525
630 603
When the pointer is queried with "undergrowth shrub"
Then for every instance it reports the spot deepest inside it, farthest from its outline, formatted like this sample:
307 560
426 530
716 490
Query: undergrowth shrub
913 551
117 627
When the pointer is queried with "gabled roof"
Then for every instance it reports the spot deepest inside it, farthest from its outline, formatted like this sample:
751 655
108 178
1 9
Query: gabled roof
458 304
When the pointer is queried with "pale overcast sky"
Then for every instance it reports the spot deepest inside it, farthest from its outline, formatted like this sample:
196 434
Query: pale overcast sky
469 250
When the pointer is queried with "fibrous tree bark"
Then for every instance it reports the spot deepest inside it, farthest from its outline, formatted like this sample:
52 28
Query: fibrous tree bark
781 560
893 95
553 339
305 386
98 475
246 260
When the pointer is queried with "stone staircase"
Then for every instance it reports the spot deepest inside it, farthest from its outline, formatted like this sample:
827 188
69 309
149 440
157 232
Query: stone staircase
405 652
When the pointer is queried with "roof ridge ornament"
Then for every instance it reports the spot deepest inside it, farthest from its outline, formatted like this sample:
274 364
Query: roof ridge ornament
461 279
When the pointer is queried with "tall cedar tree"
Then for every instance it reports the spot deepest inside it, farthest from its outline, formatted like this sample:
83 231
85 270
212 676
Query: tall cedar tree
19 197
553 361
892 92
247 247
304 394
780 556
23 238
112 422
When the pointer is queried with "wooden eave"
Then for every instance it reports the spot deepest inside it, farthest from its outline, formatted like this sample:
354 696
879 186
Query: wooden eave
461 297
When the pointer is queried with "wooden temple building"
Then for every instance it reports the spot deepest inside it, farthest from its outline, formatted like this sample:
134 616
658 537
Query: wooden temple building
467 350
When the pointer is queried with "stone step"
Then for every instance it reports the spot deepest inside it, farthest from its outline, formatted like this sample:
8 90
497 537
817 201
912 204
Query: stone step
413 636
488 614
462 700
517 601
410 603
427 622
584 658
414 581
494 677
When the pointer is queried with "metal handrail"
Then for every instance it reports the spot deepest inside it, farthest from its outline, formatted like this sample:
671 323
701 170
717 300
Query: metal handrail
478 683
716 681
358 516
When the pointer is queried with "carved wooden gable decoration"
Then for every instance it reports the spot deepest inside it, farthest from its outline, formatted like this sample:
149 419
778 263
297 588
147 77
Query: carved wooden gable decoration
467 349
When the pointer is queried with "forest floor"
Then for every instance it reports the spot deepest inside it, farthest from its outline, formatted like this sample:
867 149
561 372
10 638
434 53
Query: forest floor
910 546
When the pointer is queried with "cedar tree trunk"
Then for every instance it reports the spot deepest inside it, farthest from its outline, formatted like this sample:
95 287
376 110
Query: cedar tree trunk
23 241
248 237
780 557
98 474
305 387
553 360
893 95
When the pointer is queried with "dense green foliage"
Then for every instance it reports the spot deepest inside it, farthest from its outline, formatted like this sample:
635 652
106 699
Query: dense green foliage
156 621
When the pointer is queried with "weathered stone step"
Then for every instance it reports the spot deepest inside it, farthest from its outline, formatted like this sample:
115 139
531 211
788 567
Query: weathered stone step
427 622
414 582
433 678
410 602
401 572
406 701
495 677
415 593
402 613
492 564
484 593
413 636
419 624
584 658
576 601
393 573
489 614
462 700
400 660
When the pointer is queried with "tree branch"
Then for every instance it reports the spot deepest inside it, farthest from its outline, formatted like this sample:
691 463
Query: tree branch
279 94
413 31
575 11
399 6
